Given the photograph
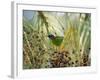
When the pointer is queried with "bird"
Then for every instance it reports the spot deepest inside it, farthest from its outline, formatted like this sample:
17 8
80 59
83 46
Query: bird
56 40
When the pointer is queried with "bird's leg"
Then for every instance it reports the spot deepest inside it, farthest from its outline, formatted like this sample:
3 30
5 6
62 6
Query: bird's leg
56 48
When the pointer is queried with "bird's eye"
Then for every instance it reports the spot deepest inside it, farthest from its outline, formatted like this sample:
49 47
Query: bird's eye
49 36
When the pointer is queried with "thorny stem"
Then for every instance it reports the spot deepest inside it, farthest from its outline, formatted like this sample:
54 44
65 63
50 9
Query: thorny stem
29 47
29 59
44 19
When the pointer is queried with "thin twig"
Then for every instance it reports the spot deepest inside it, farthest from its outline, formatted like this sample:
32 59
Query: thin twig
28 44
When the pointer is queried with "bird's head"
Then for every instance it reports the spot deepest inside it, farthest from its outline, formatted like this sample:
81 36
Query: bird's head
51 36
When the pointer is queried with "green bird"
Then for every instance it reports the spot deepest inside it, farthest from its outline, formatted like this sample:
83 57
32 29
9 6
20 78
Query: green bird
56 40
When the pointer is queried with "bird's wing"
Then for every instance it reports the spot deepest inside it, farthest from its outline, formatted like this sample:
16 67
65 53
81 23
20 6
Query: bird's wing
57 41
